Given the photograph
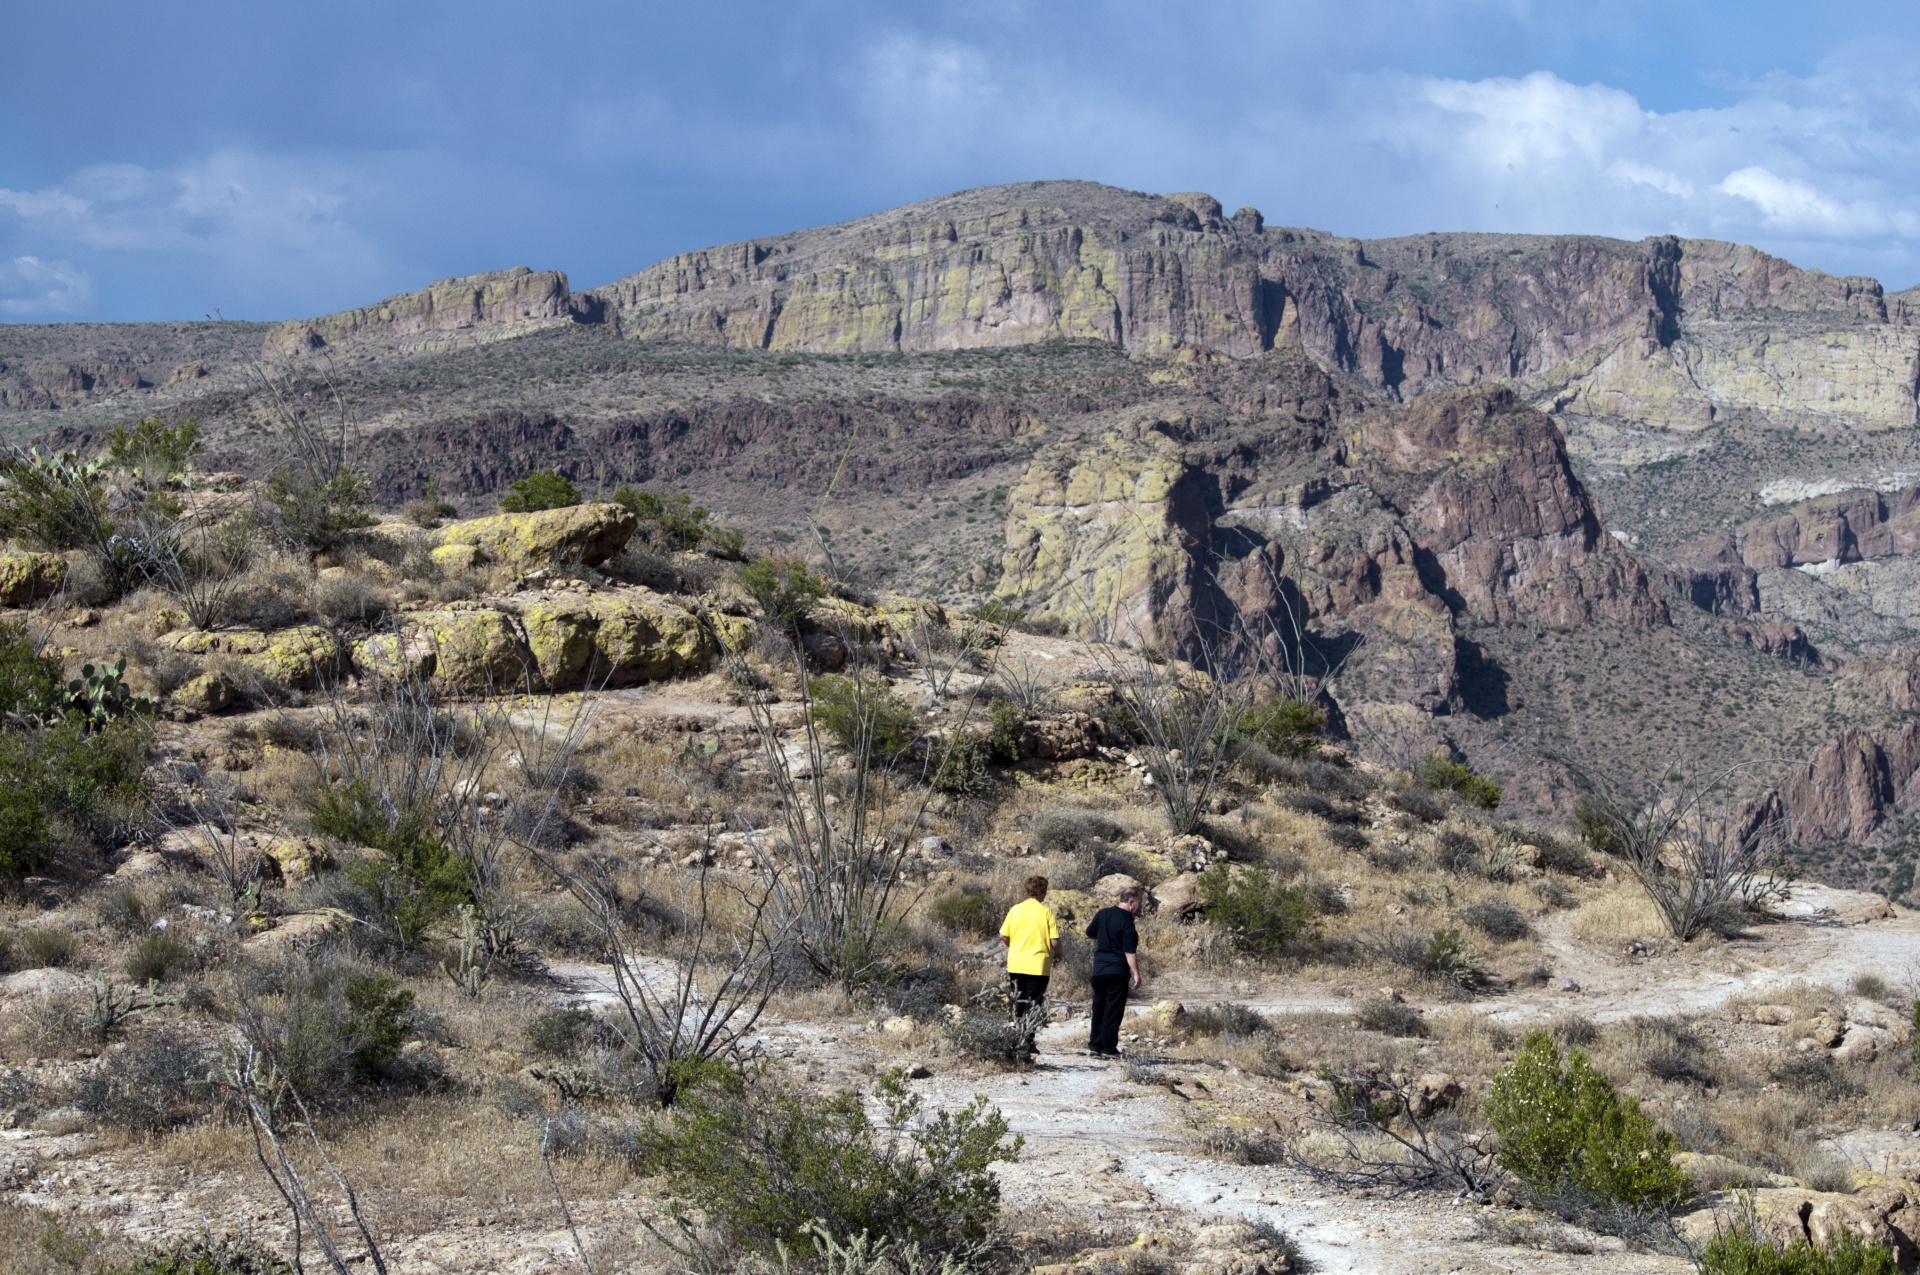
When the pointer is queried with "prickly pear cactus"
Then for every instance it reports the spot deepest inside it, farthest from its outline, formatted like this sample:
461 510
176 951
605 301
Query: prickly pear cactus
99 696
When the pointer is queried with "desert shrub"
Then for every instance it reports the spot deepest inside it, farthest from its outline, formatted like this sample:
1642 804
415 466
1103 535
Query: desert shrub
204 1255
152 453
1557 853
47 947
1742 1250
1007 730
1320 775
1871 986
1225 1020
349 599
543 489
1308 802
428 511
71 754
1458 851
1447 957
1815 1074
1285 727
864 716
1420 805
674 521
784 589
1071 831
1390 1017
763 1162
960 763
1497 919
330 1026
1439 773
1255 908
1327 898
419 881
155 1083
1574 1029
970 911
561 1031
157 957
1566 1126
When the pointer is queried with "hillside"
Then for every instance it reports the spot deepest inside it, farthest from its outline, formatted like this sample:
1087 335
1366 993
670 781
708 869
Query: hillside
1668 538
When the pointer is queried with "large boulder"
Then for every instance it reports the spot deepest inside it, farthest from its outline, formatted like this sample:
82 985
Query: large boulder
578 535
618 640
302 658
479 650
27 578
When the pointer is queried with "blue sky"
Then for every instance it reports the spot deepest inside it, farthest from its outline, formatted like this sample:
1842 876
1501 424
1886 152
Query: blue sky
159 161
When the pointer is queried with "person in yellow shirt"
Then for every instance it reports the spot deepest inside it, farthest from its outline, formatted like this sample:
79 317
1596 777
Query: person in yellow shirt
1033 941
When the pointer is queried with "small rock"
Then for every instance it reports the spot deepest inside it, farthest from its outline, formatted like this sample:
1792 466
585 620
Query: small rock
1566 984
933 845
1772 1015
1166 1015
900 1025
1392 996
919 1071
1433 1092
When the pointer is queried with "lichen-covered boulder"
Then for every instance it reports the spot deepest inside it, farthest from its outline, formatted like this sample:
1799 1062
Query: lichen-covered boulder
560 634
584 535
455 559
646 638
27 578
302 658
476 650
405 656
209 692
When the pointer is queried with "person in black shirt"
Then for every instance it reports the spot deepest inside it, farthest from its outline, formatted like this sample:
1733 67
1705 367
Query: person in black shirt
1116 969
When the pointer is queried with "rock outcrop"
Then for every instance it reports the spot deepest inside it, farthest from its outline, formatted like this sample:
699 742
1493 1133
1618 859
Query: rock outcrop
1849 526
577 535
498 299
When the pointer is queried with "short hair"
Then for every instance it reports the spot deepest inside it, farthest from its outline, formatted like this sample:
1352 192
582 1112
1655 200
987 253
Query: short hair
1036 887
1132 893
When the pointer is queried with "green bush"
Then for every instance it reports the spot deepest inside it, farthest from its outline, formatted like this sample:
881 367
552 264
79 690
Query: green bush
61 783
331 1026
544 489
762 1161
152 453
674 520
784 588
1257 910
864 716
960 763
1566 1127
971 911
419 882
1741 1251
203 1255
315 508
1437 772
1009 729
1448 957
1285 727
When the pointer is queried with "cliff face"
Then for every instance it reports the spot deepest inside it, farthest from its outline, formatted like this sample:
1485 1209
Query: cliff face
503 299
1462 505
1667 331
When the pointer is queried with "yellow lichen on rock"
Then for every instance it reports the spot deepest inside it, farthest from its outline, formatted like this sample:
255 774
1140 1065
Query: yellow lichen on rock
26 578
577 535
1094 536
476 650
301 658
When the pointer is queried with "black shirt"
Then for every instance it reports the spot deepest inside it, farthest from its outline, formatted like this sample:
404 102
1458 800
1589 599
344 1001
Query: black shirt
1114 939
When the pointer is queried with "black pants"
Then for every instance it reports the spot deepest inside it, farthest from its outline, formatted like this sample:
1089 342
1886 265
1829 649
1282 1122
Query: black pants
1029 992
1109 1007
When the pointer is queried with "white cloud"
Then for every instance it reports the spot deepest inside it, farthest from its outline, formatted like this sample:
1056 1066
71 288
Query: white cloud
1539 119
34 289
1794 205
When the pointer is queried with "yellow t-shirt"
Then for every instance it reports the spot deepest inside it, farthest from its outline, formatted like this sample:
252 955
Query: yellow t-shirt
1031 929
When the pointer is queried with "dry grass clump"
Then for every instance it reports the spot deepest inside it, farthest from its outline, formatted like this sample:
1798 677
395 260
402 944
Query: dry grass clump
1618 914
